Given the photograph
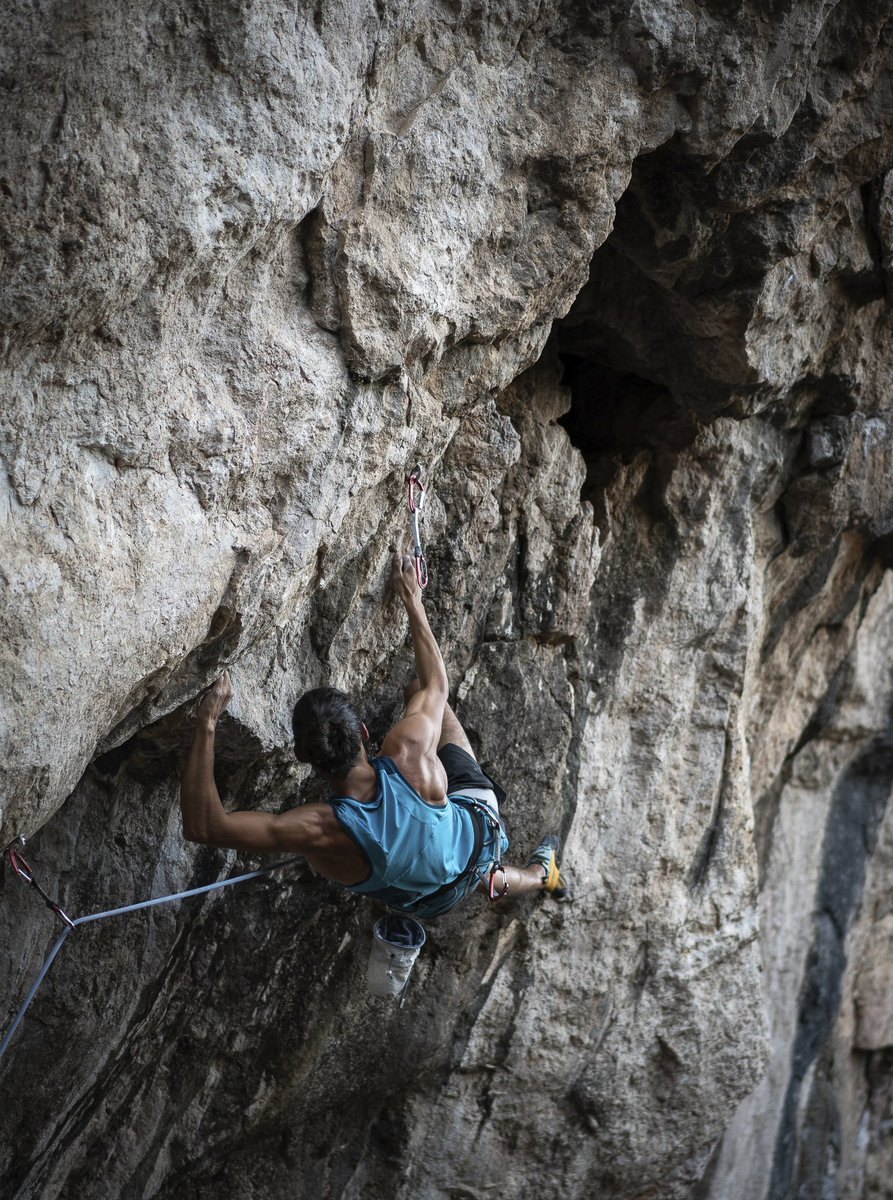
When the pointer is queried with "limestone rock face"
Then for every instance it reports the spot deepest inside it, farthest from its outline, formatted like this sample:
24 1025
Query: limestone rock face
619 276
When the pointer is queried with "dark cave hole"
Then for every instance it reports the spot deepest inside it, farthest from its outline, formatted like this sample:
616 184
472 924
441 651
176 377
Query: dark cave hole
620 405
151 755
616 414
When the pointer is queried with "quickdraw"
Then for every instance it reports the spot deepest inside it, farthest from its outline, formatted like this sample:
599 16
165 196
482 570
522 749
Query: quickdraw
22 869
416 504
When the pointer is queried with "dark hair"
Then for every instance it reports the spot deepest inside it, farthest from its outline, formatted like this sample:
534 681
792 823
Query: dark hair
327 731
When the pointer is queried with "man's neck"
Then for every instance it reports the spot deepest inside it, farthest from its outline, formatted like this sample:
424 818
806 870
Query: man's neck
359 782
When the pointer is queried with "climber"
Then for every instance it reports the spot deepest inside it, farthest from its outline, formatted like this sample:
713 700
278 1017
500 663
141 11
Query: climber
416 827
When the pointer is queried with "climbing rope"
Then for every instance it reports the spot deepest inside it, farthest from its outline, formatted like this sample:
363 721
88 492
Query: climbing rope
25 873
416 504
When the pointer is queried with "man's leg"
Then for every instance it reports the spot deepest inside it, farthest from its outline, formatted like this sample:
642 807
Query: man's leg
514 881
452 733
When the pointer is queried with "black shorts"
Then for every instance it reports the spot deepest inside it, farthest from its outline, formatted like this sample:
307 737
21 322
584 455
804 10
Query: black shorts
463 771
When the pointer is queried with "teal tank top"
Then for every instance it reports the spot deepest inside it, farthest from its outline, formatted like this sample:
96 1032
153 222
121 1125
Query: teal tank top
414 847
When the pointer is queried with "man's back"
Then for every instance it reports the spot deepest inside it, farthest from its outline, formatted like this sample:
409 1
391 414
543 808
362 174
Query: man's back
412 845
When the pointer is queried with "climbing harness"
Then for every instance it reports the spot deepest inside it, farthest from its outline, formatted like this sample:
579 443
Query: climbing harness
486 813
485 816
416 504
24 872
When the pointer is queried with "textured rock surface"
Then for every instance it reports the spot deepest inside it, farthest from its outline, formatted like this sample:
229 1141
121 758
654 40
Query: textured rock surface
620 277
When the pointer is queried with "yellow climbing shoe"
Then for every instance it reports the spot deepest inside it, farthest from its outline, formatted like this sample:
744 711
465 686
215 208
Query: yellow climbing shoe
546 856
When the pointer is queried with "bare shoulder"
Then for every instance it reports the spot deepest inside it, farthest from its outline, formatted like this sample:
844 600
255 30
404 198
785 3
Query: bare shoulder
416 734
422 771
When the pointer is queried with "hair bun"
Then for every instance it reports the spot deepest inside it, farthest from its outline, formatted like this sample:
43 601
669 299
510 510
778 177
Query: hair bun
327 731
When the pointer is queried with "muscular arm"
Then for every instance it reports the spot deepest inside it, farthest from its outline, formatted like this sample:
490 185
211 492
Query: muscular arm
413 742
434 690
301 830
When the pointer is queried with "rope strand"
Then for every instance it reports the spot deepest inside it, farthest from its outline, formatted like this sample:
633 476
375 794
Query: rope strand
116 912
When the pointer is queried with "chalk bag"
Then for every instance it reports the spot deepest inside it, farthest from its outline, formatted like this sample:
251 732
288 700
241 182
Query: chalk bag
396 942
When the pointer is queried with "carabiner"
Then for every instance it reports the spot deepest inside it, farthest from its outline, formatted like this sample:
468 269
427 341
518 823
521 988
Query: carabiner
20 866
421 568
61 913
414 479
492 894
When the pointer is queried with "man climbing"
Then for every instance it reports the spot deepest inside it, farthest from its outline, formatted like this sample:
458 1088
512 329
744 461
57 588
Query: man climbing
417 827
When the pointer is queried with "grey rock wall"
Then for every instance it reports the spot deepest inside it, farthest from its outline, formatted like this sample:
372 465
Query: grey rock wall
619 277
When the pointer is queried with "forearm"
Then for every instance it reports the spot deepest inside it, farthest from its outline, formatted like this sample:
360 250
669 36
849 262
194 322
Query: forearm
200 803
300 830
428 659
